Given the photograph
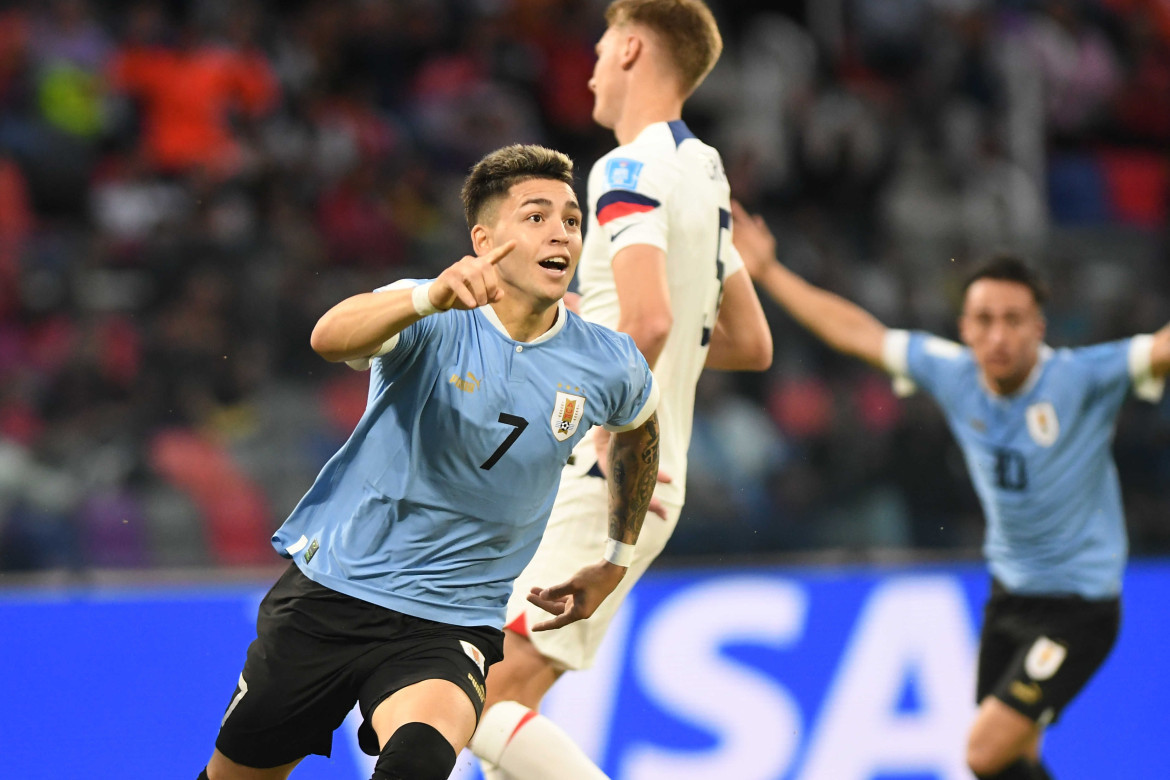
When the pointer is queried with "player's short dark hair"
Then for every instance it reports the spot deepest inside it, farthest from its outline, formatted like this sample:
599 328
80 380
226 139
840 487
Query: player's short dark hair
492 177
1010 268
686 28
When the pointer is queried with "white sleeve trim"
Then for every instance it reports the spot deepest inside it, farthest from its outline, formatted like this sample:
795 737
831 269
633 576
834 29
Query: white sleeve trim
643 414
363 363
1146 386
896 360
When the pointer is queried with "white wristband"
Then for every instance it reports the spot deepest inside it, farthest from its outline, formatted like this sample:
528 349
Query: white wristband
420 296
619 553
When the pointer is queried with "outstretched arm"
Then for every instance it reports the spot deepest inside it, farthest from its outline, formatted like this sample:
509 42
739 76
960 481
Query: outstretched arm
1160 356
843 325
633 462
359 326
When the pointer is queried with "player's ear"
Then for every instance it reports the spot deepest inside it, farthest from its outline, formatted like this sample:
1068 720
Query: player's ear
631 50
481 240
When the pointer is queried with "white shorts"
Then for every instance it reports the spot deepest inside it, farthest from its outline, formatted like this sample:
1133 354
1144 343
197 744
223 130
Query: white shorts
575 537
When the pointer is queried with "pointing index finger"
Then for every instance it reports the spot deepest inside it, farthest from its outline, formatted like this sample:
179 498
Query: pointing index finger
498 254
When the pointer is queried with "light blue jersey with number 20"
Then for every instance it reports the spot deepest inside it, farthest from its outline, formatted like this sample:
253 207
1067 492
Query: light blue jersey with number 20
438 499
1040 459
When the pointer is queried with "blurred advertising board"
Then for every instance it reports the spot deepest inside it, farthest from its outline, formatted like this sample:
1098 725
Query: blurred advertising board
761 673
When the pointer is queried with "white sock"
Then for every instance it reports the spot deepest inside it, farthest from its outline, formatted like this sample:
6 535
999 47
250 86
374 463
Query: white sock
525 745
492 772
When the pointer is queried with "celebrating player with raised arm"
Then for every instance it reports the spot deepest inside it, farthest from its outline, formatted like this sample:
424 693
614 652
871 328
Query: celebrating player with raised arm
405 548
657 264
1035 425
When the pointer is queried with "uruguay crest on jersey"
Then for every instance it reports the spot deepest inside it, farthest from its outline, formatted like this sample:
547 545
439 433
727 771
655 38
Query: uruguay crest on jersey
1042 423
566 414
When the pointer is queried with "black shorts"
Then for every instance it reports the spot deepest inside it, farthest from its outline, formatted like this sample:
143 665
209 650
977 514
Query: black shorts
1037 652
317 652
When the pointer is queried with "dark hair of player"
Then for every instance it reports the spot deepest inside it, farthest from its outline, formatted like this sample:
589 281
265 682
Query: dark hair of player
492 177
1010 268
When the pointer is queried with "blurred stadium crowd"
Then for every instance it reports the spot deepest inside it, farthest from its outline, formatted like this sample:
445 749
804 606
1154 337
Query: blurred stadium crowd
186 186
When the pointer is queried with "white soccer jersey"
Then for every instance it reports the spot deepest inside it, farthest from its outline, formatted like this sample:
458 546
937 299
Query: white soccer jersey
666 189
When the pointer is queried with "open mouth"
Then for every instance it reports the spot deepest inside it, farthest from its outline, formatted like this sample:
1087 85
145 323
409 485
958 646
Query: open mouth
555 263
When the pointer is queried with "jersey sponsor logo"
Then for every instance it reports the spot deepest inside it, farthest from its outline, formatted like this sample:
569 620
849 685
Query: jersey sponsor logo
474 654
1042 423
623 172
622 203
469 385
1044 658
566 414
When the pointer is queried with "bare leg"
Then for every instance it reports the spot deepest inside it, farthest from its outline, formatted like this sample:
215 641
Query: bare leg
220 767
438 703
524 675
1000 736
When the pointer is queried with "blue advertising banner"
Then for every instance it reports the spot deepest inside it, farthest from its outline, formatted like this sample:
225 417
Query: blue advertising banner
768 673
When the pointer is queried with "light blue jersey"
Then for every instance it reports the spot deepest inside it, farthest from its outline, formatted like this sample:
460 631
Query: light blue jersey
438 499
1040 459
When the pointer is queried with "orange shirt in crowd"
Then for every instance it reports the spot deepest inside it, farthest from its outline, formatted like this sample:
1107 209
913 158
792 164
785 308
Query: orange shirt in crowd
188 98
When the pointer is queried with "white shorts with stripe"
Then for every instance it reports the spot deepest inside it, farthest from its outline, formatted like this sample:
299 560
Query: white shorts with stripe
575 537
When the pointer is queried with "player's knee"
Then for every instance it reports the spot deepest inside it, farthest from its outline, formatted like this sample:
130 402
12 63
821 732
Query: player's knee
984 762
1020 769
416 751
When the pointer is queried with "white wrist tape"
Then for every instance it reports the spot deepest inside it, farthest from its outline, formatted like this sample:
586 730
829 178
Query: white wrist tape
619 553
420 296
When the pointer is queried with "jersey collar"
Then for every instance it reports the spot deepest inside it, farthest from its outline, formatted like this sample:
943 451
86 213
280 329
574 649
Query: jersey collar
1042 356
658 132
490 314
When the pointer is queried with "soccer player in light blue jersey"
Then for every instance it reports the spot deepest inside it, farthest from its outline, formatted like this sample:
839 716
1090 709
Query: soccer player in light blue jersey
405 548
1035 425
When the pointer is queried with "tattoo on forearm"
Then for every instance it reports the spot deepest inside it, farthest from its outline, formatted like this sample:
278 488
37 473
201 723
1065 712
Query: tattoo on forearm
634 473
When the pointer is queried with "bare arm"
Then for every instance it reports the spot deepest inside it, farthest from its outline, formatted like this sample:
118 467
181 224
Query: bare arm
633 461
1160 356
843 325
741 340
639 273
358 326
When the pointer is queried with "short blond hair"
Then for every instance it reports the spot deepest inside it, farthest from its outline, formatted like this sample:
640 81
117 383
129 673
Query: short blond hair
492 177
686 28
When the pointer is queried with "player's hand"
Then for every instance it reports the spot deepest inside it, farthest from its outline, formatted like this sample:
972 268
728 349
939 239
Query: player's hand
753 239
578 598
470 283
601 439
573 302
